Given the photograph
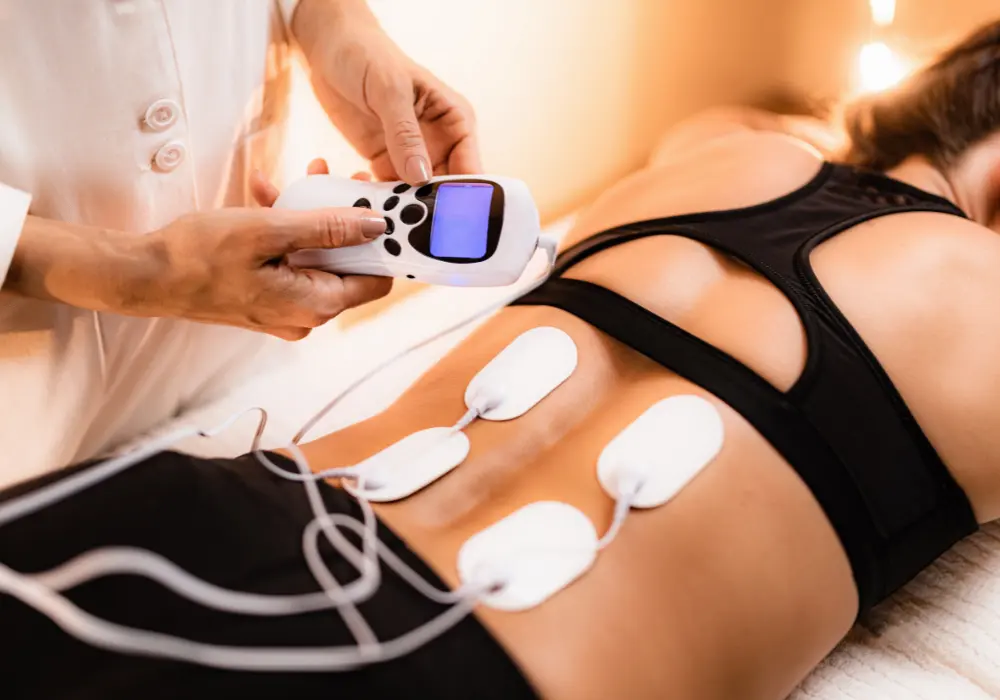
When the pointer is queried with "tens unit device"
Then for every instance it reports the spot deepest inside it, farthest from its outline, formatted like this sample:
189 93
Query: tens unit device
463 231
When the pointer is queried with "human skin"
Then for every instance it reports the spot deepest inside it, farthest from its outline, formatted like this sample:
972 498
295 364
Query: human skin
739 586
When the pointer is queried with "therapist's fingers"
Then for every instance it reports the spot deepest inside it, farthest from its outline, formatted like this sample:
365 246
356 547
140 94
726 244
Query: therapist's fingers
294 300
317 166
289 333
264 193
363 176
464 157
392 102
321 296
361 289
286 231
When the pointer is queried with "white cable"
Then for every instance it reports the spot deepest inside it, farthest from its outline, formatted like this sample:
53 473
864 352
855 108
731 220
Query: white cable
546 243
351 473
40 590
32 591
361 563
109 561
391 558
332 473
466 420
622 507
107 635
482 402
119 560
70 485
102 352
367 565
628 485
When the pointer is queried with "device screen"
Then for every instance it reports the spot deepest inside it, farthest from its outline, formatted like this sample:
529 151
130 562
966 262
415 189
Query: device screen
461 220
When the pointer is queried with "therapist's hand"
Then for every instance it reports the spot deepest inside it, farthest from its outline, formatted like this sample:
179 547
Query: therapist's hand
405 121
226 266
229 267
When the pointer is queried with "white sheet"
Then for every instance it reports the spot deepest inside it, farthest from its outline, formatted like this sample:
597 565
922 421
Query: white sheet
937 639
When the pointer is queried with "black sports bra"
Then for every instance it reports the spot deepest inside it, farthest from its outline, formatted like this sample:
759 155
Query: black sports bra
843 426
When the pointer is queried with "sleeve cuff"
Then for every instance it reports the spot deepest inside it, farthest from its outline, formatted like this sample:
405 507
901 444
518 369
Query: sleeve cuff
14 205
288 10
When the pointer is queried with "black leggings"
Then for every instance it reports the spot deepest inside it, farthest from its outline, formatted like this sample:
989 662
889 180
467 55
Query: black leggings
236 525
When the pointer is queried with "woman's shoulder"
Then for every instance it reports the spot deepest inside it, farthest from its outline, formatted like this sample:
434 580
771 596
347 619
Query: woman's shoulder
728 172
753 166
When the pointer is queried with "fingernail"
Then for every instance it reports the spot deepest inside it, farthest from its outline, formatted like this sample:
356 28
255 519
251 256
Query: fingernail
372 226
417 170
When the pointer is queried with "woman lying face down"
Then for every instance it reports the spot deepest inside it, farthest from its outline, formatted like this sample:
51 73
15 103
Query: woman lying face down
835 315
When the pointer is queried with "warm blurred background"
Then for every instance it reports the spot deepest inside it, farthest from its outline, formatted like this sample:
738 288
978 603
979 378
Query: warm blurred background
571 94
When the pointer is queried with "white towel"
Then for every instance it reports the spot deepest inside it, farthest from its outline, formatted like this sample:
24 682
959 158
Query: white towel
936 639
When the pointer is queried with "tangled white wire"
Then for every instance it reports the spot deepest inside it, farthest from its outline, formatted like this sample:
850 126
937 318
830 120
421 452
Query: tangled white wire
43 591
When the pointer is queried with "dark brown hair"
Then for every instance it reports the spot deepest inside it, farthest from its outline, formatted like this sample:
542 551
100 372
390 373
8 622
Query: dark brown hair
793 102
938 112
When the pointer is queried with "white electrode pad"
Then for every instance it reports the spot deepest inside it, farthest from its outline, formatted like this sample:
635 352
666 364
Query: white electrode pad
530 555
409 465
664 448
523 374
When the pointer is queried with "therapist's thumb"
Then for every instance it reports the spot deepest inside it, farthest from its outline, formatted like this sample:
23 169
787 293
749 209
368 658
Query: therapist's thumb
403 138
289 230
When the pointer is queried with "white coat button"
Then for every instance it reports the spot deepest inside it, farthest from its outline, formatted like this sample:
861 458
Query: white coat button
161 115
170 156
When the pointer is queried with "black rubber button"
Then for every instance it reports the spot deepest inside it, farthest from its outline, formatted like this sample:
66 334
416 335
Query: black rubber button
424 191
400 188
391 203
363 204
392 246
390 226
411 214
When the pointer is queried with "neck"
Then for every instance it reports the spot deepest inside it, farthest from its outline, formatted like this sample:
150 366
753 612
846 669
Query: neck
919 172
972 184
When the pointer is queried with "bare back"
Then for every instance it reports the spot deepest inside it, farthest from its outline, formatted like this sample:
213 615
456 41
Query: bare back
739 586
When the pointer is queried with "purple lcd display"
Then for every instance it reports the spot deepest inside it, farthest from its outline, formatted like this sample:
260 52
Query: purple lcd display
461 220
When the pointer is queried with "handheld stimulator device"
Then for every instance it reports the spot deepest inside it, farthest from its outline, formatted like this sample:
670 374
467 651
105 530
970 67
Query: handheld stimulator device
463 231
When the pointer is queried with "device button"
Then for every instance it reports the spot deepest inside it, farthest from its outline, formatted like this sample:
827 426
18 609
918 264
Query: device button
390 226
392 246
424 191
391 203
401 188
362 204
411 214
